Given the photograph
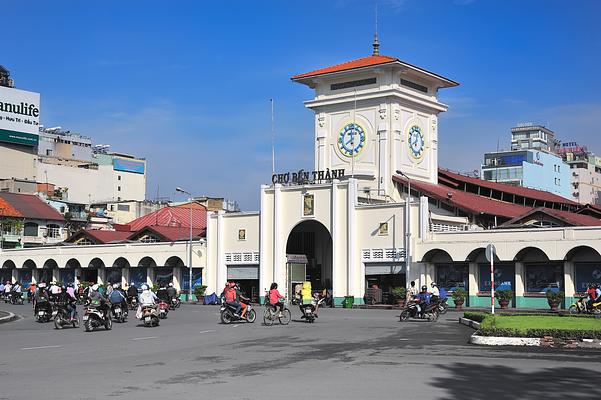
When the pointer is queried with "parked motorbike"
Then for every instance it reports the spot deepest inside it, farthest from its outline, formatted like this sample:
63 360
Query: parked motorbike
309 311
43 310
411 311
581 307
163 308
94 318
150 316
175 303
228 313
61 317
120 313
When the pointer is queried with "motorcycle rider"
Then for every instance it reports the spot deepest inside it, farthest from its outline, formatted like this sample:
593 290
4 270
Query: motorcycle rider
434 293
16 290
162 293
147 297
68 300
423 298
231 298
132 291
411 291
117 297
240 298
98 300
171 291
591 294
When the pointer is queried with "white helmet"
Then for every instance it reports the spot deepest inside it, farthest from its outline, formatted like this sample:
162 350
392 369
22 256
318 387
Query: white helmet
144 287
170 284
115 286
94 287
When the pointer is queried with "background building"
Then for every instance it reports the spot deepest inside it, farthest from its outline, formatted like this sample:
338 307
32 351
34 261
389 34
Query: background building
531 136
585 170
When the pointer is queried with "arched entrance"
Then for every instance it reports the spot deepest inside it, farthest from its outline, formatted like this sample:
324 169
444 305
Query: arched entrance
313 240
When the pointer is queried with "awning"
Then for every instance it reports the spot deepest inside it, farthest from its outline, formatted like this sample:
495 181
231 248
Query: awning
384 269
242 272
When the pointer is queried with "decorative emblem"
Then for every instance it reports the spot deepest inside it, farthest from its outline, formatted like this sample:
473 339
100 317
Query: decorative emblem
351 140
416 142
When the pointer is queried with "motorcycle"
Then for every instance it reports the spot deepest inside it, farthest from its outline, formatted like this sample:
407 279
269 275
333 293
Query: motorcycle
581 307
132 302
175 303
442 306
61 317
16 298
43 310
309 311
94 317
430 313
228 313
163 309
119 312
150 316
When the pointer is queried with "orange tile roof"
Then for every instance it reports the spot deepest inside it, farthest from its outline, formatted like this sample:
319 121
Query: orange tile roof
7 210
359 63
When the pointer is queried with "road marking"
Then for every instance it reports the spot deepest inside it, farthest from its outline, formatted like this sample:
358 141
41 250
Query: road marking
145 338
40 347
205 331
235 326
403 339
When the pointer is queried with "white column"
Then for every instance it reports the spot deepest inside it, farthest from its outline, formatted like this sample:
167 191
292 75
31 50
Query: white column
177 271
473 286
569 286
279 258
263 244
335 234
124 276
14 275
351 286
221 267
383 175
209 274
520 273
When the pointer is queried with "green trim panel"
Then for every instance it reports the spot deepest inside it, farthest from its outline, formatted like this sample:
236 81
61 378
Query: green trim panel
27 139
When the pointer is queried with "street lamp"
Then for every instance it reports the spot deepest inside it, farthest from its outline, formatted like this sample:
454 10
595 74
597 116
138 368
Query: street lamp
178 189
408 219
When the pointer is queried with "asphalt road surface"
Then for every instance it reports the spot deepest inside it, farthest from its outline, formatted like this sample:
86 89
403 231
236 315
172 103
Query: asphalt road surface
345 354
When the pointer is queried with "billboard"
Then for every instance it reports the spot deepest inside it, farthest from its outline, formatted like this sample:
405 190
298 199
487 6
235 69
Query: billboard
120 164
19 116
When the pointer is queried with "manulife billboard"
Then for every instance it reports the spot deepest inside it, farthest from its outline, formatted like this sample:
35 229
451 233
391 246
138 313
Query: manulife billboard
19 116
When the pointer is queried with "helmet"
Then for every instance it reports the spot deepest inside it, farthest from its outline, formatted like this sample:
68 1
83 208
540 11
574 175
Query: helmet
170 284
424 287
433 284
144 287
115 286
94 287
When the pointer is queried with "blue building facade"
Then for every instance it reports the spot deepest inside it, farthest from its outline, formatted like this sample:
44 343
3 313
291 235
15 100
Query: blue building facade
529 168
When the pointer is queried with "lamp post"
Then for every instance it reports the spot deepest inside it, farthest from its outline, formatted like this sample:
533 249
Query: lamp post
408 219
178 189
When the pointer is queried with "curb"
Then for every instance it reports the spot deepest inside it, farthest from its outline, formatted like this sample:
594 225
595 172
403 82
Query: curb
469 322
8 318
503 341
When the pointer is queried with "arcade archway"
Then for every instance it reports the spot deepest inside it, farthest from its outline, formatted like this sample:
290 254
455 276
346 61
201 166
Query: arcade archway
313 240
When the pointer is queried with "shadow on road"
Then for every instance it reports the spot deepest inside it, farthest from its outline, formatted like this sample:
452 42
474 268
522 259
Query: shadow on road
501 382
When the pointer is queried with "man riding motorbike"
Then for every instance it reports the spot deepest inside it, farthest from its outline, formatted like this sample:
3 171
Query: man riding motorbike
434 293
98 300
171 291
65 297
423 299
241 299
231 298
147 297
162 293
117 297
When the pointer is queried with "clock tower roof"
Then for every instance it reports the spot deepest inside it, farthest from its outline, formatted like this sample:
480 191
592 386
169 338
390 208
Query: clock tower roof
367 62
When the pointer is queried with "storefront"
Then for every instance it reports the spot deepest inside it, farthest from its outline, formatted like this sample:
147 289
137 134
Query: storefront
247 277
380 279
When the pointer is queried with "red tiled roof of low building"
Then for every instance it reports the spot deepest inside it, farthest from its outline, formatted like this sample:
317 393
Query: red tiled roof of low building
172 216
31 206
171 233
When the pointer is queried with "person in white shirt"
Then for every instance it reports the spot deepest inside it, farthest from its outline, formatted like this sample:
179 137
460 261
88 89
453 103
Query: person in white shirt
434 292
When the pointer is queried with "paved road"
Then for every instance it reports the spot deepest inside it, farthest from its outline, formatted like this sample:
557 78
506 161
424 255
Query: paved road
346 354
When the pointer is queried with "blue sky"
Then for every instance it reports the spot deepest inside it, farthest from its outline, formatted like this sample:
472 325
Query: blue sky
187 84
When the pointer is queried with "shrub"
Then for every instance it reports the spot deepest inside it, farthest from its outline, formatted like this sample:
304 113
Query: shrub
475 316
200 290
506 294
399 293
554 296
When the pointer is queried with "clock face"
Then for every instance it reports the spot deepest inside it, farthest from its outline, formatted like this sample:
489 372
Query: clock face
416 142
351 140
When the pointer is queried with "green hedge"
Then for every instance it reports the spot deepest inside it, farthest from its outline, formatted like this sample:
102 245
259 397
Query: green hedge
475 316
488 328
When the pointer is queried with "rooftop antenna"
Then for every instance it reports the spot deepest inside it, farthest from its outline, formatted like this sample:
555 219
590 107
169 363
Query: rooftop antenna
272 139
376 44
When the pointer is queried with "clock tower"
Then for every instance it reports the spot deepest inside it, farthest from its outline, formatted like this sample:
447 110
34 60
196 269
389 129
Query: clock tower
374 116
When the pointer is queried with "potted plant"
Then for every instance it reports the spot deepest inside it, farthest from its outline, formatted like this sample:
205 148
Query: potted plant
554 298
199 292
400 295
459 297
504 296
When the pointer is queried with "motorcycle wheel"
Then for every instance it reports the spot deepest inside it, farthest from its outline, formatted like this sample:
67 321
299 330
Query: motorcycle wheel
88 326
76 322
58 322
433 316
286 317
404 316
442 309
147 323
108 324
155 321
226 317
573 309
179 303
268 317
251 316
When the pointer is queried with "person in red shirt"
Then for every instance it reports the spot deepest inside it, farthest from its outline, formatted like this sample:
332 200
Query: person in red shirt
591 296
274 298
231 297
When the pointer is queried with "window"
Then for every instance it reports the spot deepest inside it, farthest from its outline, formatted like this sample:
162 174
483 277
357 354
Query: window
452 276
84 242
414 85
543 277
586 274
123 207
350 84
504 277
118 177
31 229
118 188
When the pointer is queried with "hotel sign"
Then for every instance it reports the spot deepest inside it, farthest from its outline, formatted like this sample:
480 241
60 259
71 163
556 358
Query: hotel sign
19 116
303 177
